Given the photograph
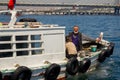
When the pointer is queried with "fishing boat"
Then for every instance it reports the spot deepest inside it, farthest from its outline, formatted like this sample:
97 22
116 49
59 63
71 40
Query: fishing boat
30 50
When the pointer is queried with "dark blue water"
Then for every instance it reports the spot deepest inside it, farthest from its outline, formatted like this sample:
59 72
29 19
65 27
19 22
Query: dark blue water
92 26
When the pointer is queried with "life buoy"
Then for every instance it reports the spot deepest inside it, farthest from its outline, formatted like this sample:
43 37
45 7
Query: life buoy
102 56
52 72
84 65
72 66
22 73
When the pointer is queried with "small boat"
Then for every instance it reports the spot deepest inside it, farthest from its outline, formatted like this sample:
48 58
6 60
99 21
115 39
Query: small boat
30 50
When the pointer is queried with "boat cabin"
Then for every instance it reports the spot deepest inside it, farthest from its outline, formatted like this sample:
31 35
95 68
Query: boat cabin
30 46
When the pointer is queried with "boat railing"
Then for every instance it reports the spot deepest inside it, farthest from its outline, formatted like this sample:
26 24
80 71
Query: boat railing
28 25
20 45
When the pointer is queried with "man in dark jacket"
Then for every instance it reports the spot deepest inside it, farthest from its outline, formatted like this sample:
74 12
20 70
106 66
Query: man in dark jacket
76 37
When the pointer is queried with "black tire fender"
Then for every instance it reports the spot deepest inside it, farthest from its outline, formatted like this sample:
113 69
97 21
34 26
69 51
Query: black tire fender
52 72
27 20
112 48
84 65
24 71
102 56
107 53
72 66
0 75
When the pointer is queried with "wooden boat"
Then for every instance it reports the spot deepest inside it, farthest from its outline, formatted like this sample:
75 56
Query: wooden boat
35 51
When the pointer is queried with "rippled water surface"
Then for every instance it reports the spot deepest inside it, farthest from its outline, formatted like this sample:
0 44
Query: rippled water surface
92 26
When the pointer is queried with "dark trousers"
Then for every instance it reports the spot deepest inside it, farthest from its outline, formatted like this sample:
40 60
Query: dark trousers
71 55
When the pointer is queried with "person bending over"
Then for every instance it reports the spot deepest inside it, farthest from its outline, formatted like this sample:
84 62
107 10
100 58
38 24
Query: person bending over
70 48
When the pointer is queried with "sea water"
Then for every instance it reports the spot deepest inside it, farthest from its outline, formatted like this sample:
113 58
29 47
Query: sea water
92 26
